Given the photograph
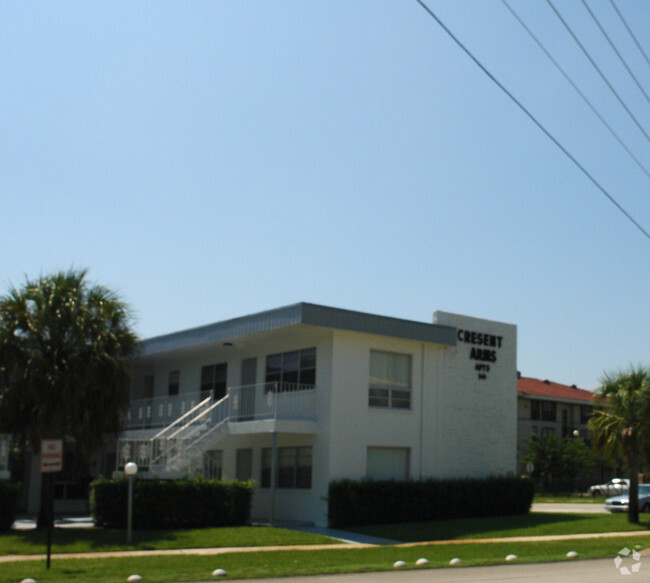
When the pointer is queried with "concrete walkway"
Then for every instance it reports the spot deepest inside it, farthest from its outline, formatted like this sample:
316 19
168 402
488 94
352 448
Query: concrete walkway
361 542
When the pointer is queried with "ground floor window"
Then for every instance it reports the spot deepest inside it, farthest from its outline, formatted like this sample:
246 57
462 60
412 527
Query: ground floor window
244 469
388 463
293 467
213 464
4 452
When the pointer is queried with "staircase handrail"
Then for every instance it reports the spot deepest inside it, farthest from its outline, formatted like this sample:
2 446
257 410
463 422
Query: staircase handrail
194 443
181 418
162 452
199 416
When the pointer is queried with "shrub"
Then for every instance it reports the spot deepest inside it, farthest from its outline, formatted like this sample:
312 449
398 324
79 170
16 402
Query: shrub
163 504
353 503
9 492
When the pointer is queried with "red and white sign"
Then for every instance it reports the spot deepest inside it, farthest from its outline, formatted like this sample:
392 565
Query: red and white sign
51 455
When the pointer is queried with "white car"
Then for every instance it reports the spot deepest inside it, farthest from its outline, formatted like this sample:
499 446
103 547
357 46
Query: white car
614 487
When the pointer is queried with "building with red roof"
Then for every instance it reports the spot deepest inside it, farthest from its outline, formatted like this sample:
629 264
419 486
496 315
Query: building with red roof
548 408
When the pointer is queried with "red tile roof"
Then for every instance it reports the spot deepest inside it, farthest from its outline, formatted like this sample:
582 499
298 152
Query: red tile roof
529 386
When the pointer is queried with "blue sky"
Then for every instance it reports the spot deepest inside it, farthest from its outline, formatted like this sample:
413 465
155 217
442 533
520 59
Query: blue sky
211 159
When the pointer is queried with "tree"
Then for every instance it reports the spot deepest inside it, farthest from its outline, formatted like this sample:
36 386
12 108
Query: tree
620 424
64 346
557 460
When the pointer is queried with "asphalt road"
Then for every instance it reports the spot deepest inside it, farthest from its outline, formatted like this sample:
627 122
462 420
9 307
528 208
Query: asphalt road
596 571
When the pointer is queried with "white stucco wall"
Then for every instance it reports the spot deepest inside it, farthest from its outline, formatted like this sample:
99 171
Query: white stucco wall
478 398
462 421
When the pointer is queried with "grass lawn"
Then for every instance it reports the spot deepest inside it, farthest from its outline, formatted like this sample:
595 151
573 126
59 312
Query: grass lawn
87 540
533 524
307 562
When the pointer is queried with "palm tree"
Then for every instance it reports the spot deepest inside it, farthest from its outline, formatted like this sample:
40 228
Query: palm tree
620 424
64 346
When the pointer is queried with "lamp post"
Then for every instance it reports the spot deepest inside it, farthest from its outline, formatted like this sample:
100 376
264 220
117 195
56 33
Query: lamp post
130 469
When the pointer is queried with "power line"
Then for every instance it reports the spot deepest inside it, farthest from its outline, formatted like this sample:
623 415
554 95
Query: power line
602 75
533 119
620 57
577 89
629 30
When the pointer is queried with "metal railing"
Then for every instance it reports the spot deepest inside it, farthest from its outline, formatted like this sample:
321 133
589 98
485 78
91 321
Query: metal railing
195 429
159 411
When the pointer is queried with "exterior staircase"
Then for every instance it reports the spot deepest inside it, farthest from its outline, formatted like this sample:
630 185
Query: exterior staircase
178 448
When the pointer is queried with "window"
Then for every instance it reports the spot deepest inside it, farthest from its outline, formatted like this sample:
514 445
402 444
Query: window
390 380
213 381
174 383
293 467
548 411
585 413
213 464
548 431
534 410
244 469
292 370
388 463
4 452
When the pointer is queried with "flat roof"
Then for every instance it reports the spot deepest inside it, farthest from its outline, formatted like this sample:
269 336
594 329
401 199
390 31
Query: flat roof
302 313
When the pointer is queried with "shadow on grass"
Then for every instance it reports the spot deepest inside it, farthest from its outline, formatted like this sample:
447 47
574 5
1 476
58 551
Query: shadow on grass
92 539
534 524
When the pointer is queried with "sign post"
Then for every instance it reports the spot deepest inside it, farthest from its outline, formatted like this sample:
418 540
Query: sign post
51 462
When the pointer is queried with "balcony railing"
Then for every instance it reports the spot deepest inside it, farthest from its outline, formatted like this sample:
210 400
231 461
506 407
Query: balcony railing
159 411
197 427
273 401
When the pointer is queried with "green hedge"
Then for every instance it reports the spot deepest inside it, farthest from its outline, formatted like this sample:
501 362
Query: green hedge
9 492
353 503
162 504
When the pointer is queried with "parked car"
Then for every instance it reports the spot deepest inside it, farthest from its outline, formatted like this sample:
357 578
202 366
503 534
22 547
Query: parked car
612 488
621 503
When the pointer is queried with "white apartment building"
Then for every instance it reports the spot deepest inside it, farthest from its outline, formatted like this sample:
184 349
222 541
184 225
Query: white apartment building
301 395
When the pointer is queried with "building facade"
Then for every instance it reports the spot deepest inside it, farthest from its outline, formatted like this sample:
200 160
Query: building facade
299 396
549 408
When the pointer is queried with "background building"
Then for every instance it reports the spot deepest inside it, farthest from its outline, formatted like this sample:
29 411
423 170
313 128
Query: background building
548 408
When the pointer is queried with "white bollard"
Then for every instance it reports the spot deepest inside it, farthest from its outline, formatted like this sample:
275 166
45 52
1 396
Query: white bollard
398 564
572 554
511 558
421 562
133 578
455 562
219 573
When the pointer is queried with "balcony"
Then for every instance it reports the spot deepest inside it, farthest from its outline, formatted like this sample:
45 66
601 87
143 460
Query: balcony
259 408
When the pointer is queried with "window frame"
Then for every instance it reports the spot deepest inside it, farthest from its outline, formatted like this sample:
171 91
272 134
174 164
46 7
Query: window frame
390 394
294 370
294 467
174 383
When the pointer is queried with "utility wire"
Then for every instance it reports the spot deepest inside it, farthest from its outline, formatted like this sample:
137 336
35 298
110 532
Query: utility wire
629 30
602 75
533 119
620 57
577 89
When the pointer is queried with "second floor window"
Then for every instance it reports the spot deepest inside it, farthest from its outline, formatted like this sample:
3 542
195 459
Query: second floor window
292 370
548 411
174 383
213 381
390 380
